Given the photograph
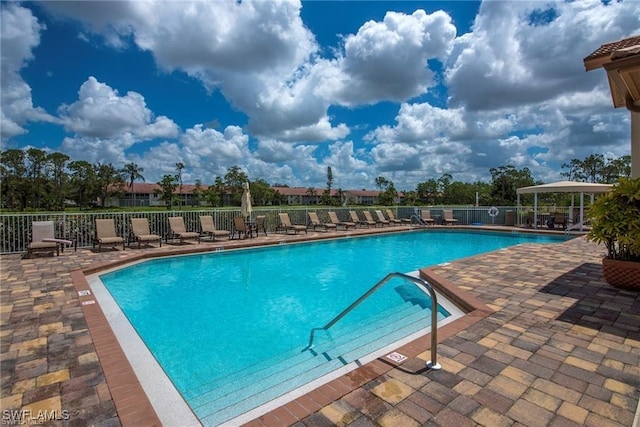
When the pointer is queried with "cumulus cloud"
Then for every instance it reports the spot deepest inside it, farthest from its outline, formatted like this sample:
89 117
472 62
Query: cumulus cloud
19 34
517 90
208 147
100 150
274 151
205 153
387 60
421 122
519 94
100 112
257 68
272 70
393 157
522 53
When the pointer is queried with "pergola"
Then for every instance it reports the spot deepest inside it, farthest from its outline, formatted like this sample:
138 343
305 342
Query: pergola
621 61
562 187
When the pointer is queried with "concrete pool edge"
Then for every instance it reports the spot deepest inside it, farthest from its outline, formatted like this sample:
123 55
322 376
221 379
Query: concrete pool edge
126 388
132 403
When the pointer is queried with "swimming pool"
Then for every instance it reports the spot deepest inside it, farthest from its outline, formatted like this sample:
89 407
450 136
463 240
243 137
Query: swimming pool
191 310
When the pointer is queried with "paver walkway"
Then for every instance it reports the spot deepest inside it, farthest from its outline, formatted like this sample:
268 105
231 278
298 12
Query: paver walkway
560 347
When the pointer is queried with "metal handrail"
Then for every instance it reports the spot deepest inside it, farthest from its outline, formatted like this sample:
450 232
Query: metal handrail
431 364
418 219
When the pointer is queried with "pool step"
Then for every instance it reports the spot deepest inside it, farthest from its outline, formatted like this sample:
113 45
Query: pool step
335 337
222 402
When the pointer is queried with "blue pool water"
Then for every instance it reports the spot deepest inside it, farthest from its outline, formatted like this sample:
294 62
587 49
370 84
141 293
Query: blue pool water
209 318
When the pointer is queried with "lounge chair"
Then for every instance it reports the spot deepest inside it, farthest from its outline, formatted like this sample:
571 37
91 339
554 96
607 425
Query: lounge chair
425 216
241 227
316 223
285 223
41 231
447 217
369 218
106 234
381 219
209 228
334 220
261 224
393 219
142 233
357 220
178 230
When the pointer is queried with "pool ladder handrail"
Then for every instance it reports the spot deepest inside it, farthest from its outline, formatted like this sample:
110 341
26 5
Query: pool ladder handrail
417 219
431 364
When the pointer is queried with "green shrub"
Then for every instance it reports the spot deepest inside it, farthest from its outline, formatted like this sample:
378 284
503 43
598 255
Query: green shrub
615 220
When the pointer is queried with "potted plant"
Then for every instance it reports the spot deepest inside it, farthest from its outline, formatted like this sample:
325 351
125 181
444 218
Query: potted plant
615 221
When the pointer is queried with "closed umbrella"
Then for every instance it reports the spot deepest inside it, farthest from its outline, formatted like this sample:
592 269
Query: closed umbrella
245 204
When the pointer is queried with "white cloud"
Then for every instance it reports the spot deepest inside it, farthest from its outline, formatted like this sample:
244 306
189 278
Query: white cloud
100 112
261 69
317 132
514 58
210 148
421 122
518 92
19 34
97 149
519 95
271 70
274 151
388 60
396 157
206 154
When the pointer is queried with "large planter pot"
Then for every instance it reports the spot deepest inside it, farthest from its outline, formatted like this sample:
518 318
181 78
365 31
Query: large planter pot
622 274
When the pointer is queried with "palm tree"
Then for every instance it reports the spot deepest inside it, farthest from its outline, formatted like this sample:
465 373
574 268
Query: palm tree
179 167
131 171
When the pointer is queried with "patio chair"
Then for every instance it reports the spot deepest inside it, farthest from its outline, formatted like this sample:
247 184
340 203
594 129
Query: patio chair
381 219
394 220
447 217
369 218
316 223
559 219
261 224
241 227
209 228
285 223
142 232
425 216
106 234
334 220
178 230
41 231
356 219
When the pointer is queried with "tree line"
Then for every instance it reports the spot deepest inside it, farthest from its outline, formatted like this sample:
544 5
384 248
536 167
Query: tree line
38 180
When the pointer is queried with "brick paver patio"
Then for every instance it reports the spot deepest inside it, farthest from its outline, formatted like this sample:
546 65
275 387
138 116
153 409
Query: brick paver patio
549 344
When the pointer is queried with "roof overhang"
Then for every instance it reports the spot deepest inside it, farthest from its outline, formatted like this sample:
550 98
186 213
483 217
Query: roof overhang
621 61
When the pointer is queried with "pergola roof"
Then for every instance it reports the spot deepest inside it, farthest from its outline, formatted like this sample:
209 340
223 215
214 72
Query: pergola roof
621 60
566 187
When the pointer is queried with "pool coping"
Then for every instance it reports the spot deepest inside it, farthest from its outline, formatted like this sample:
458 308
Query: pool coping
134 406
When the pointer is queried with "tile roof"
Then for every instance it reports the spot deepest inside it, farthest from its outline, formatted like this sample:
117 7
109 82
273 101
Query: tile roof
609 48
148 188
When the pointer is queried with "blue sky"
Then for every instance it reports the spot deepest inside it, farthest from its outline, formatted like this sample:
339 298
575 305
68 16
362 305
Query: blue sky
405 90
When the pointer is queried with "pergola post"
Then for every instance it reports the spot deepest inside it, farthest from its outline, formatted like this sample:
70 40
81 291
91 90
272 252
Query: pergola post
635 144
